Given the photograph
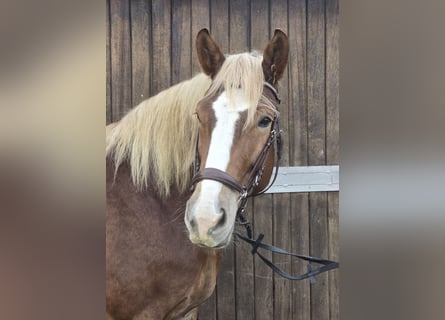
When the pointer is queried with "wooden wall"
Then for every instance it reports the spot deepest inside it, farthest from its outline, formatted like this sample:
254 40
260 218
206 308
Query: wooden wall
150 46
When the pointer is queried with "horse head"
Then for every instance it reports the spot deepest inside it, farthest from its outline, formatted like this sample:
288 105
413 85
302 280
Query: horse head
238 122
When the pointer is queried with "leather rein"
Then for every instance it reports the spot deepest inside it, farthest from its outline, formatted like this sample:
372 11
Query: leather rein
247 190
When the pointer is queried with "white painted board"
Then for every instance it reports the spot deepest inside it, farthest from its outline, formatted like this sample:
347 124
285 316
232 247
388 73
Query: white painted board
306 179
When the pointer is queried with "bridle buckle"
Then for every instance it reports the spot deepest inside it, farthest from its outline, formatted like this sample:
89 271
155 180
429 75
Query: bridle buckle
243 195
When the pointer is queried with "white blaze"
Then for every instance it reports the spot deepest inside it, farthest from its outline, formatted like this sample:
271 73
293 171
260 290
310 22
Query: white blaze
222 139
207 210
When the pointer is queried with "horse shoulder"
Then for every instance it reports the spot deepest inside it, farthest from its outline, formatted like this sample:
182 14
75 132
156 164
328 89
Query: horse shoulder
164 274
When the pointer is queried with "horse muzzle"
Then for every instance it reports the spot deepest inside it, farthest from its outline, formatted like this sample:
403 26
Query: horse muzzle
210 214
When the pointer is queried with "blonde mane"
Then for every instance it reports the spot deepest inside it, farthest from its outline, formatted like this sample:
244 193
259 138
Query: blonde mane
158 136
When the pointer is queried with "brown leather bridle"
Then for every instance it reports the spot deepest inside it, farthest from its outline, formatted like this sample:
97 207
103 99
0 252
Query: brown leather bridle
247 190
256 173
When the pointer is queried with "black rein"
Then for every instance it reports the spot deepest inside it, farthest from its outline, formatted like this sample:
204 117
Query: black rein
246 191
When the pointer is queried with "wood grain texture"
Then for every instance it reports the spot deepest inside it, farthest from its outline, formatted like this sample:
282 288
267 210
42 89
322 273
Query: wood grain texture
316 83
262 206
317 152
297 77
140 50
299 223
319 238
120 58
161 51
225 287
333 145
281 239
181 40
239 13
334 254
219 23
298 149
264 285
332 82
109 115
244 277
281 202
200 16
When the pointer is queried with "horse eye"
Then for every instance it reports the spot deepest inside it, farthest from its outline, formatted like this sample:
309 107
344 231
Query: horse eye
197 116
264 122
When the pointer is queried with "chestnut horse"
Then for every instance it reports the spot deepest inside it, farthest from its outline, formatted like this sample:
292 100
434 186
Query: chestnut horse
163 239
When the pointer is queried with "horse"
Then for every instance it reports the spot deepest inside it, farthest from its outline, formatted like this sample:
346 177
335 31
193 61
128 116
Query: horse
177 167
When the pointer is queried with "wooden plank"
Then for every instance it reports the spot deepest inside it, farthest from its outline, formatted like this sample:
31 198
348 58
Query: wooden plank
200 17
334 254
161 36
259 25
263 291
225 288
281 202
299 225
298 94
181 40
316 83
141 48
332 145
239 16
299 205
219 23
226 309
244 276
207 310
306 179
319 246
332 82
239 13
319 241
109 115
120 58
279 20
262 206
281 229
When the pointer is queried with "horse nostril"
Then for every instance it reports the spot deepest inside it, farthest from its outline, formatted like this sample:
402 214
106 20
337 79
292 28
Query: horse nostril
222 220
192 223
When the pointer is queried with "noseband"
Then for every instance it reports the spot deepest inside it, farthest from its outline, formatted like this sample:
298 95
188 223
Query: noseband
256 173
246 191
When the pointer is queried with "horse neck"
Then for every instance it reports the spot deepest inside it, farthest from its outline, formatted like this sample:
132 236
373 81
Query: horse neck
120 182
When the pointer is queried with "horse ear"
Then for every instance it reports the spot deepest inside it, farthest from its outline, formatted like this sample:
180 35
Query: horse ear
209 54
275 57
